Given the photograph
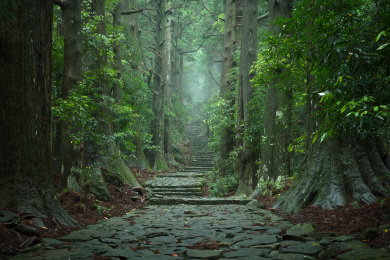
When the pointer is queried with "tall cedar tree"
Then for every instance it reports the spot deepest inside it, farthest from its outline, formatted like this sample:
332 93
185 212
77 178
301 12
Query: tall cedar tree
233 25
275 159
246 161
345 165
71 153
25 68
159 87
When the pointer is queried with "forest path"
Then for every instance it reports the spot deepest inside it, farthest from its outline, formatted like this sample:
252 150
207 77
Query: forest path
185 187
183 225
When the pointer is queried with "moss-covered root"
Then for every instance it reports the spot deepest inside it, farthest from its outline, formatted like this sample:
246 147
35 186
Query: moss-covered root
118 166
160 164
247 169
337 168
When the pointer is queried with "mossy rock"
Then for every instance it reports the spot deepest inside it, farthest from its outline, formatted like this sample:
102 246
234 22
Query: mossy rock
179 158
301 229
113 178
96 184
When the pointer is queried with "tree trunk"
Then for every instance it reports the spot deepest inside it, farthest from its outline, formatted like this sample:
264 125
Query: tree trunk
71 152
25 75
132 36
181 80
338 169
275 159
246 162
117 49
232 8
56 122
159 88
111 154
168 150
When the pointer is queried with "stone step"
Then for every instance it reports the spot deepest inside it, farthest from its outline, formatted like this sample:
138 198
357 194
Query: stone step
181 175
160 190
178 194
199 164
197 201
203 161
203 158
169 182
172 186
197 169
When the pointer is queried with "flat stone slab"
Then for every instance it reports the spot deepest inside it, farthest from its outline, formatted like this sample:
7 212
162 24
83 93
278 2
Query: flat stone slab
181 175
307 248
246 252
76 237
191 228
198 168
179 193
184 231
196 201
160 189
182 182
202 254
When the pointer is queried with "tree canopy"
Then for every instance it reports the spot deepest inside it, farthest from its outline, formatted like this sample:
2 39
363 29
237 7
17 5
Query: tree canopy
285 89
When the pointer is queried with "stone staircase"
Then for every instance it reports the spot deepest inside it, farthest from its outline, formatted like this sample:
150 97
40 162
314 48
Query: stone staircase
185 187
204 230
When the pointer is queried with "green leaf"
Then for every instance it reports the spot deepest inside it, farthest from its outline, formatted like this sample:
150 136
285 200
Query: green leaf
323 137
379 35
382 46
315 138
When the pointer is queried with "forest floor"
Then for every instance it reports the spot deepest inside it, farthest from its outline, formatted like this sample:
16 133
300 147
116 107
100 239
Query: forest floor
356 219
367 223
344 220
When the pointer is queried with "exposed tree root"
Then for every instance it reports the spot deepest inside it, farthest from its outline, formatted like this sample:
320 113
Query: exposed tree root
338 169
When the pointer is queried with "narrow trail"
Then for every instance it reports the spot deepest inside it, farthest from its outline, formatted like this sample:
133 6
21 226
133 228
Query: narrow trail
179 223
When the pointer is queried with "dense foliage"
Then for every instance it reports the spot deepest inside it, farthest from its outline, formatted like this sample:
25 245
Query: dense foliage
343 46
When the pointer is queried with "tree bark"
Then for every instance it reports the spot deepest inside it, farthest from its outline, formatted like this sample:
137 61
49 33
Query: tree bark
246 162
117 49
132 37
338 168
168 150
25 75
71 152
132 22
159 88
111 154
232 37
275 159
181 80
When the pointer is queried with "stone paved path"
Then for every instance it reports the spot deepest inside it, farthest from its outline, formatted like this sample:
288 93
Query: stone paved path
180 224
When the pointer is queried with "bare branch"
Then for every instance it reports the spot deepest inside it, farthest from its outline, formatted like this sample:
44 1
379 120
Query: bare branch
200 46
155 53
262 17
212 76
206 7
132 12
